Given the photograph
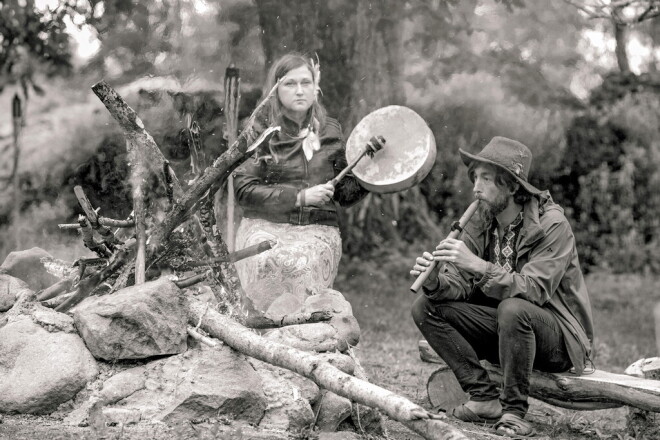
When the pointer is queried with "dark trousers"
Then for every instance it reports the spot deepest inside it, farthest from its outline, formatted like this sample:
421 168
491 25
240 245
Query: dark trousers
517 335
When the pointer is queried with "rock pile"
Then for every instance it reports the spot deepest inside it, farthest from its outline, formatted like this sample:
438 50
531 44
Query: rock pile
126 358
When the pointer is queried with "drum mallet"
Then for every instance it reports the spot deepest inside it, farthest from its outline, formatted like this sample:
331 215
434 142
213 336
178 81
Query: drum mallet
375 144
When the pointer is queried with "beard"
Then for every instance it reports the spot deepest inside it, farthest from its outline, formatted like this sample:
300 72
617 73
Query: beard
492 208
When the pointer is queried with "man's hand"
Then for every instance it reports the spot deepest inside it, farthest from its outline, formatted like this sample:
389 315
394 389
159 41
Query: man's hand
421 264
451 250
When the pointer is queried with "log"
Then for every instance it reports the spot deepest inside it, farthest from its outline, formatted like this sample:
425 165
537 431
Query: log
598 390
265 321
232 99
444 391
233 257
139 175
134 131
322 373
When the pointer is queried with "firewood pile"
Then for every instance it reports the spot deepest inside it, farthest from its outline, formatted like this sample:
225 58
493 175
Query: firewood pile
156 328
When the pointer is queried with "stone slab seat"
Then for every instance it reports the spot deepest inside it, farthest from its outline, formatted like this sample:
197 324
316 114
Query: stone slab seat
598 390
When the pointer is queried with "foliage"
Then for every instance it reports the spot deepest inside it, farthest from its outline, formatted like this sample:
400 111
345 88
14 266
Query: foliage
610 167
32 39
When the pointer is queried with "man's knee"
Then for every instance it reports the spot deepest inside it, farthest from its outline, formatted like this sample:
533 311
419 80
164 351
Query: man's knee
420 310
511 310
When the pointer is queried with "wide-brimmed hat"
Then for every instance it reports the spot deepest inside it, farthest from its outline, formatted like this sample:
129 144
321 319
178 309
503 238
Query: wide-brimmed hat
510 155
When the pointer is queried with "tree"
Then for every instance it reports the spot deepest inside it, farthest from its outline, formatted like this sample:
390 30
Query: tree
622 15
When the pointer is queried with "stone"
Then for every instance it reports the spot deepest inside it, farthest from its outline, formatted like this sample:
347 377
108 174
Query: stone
29 265
121 416
114 389
40 368
289 408
337 334
338 360
10 289
328 299
201 383
318 336
134 323
340 435
332 409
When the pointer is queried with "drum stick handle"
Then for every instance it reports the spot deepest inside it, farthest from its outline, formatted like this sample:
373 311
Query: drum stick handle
346 170
421 279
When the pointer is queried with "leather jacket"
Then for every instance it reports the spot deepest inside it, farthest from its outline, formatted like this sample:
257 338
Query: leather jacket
267 188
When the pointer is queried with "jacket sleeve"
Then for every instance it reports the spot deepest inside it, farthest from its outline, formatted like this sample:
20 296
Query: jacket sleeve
540 276
250 190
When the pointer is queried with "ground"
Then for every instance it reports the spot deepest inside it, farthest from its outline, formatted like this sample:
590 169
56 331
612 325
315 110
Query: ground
378 292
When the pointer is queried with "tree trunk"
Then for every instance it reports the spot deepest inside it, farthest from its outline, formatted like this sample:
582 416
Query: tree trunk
358 45
621 38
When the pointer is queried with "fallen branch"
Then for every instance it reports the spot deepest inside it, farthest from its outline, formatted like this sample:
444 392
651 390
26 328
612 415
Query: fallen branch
187 282
265 321
104 221
233 257
322 373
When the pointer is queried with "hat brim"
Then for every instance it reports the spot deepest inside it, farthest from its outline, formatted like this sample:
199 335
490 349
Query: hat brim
468 158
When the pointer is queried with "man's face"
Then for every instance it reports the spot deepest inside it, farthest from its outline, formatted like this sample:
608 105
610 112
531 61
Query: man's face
496 198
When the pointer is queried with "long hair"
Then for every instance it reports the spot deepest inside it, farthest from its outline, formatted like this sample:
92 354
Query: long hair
281 67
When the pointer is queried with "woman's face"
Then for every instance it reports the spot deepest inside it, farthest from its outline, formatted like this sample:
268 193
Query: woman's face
296 93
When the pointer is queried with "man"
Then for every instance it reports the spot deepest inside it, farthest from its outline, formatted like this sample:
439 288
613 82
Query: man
509 290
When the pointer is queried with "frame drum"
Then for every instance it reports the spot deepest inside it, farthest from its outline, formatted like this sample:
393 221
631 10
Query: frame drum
408 155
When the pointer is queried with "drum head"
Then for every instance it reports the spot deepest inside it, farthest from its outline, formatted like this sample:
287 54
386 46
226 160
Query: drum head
408 155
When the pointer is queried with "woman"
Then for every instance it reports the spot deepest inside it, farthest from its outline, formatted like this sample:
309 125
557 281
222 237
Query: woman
286 196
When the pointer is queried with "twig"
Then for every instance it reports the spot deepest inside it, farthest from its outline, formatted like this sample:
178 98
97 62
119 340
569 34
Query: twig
88 238
187 282
201 338
104 221
106 234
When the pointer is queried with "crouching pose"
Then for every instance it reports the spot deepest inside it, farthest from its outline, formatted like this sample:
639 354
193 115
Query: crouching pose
508 290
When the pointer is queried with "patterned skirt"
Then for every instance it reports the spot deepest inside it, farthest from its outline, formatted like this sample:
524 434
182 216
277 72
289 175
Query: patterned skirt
304 261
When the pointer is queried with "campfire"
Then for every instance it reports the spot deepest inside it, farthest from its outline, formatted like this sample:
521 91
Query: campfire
156 327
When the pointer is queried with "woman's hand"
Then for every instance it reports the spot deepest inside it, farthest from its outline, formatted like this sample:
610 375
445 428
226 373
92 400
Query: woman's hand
316 195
